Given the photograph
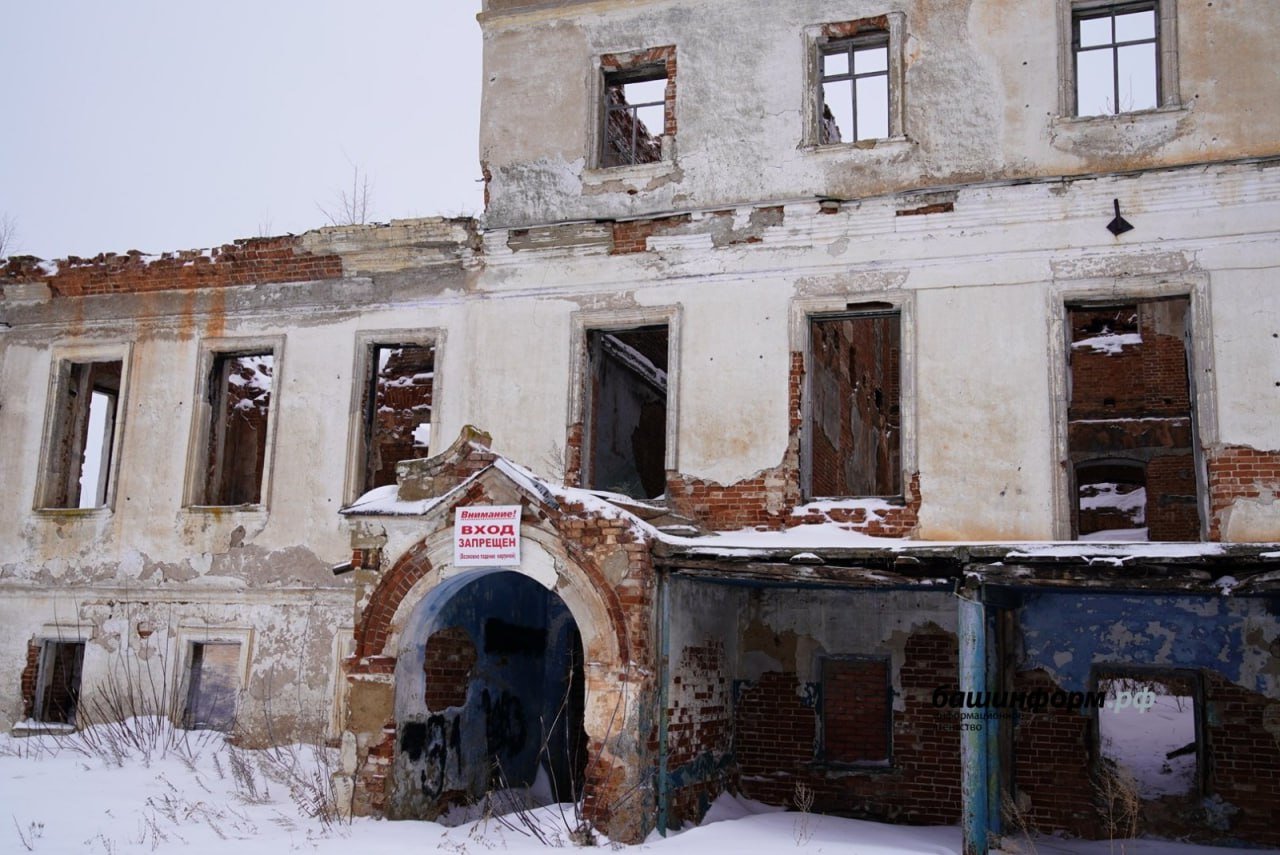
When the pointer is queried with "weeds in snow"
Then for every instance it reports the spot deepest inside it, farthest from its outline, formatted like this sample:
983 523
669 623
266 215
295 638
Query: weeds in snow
803 798
1119 804
1017 816
33 832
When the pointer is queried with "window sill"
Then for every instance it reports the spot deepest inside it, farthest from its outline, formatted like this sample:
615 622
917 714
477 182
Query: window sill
227 510
892 145
31 727
1156 115
73 513
898 500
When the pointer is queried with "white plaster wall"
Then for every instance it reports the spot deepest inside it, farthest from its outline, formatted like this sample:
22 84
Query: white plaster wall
984 419
1246 323
733 378
981 88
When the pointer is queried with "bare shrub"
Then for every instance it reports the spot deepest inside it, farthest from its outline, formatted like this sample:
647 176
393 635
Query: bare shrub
1119 804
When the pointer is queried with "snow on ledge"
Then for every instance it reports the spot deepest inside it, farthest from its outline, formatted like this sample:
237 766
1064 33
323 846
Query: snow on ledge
385 500
826 535
1122 551
1109 343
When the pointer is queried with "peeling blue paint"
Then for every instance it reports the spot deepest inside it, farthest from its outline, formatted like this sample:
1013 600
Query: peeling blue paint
1068 634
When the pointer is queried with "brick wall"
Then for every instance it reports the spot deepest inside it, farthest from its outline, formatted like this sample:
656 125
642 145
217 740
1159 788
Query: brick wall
699 731
448 659
1243 735
776 733
30 676
1051 762
856 709
630 236
1239 472
250 261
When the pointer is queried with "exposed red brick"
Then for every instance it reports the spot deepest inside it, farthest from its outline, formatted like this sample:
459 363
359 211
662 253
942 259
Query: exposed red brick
631 235
449 657
249 261
30 675
775 742
1239 472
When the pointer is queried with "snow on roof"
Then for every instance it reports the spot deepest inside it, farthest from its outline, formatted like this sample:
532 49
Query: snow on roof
386 500
1121 551
802 541
826 535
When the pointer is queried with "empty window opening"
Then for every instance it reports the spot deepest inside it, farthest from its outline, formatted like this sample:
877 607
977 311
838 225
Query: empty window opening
214 685
397 409
854 423
1112 497
627 406
58 681
1117 58
83 434
1149 732
239 394
857 711
855 89
1130 431
635 106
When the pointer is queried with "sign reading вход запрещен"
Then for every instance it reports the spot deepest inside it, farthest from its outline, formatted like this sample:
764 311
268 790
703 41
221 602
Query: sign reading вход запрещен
486 536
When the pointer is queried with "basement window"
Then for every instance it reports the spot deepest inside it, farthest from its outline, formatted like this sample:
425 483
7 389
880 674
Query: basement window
857 711
82 438
238 395
638 109
397 408
1131 422
213 686
58 682
1150 732
626 422
854 432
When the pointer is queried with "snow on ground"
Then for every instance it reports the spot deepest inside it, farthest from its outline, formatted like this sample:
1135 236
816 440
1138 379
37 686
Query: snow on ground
1141 737
192 792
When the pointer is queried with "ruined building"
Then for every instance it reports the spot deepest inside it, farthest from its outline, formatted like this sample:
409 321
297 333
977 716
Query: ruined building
851 366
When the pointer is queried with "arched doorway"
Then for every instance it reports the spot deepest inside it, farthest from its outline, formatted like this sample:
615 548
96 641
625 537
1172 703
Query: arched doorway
489 697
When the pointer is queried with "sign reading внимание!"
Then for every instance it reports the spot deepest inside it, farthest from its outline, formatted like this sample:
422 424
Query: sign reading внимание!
486 536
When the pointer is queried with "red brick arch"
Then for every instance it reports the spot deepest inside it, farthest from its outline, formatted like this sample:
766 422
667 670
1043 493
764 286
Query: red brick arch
375 625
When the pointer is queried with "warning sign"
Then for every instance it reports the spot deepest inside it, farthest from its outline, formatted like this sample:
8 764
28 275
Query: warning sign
486 536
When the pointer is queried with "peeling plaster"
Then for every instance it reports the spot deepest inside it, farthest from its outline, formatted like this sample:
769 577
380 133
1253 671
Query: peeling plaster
1230 636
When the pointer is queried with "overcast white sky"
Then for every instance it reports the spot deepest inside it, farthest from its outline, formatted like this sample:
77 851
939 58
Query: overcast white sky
163 124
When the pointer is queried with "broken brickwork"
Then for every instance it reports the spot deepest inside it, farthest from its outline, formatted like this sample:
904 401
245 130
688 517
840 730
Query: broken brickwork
249 261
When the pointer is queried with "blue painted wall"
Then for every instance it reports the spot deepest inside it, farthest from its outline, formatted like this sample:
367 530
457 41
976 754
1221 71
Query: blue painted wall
1068 634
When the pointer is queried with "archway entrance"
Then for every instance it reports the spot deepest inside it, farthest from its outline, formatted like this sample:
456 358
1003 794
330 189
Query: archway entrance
489 698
